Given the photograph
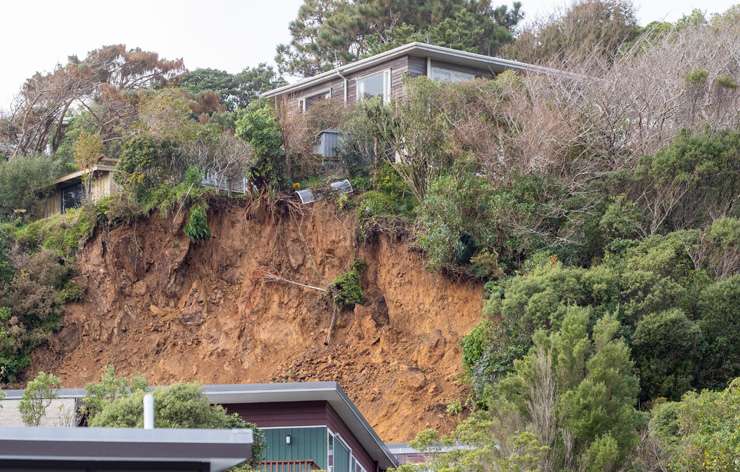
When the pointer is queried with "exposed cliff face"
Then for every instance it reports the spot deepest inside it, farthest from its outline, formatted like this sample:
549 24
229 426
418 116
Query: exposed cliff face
159 305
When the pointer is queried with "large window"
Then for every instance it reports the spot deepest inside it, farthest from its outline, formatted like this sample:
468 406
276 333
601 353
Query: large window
309 100
375 85
444 74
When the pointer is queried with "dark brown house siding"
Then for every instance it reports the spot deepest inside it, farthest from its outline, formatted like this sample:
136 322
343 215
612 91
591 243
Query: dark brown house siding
400 67
417 66
271 415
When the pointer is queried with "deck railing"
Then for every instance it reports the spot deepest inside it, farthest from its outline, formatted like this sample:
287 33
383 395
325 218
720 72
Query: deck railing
287 466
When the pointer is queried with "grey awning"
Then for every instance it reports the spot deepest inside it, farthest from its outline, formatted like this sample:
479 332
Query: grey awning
218 448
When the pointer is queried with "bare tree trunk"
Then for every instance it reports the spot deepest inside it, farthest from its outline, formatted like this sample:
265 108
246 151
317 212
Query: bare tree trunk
334 315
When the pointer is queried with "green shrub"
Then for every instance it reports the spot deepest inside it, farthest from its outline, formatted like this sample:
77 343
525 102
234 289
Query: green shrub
468 225
23 180
164 198
177 406
701 431
196 227
63 233
620 220
720 326
687 183
678 321
146 163
37 397
474 344
346 290
697 76
38 282
258 125
666 349
71 292
726 81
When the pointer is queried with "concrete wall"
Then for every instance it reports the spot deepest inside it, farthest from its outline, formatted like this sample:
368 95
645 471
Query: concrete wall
61 412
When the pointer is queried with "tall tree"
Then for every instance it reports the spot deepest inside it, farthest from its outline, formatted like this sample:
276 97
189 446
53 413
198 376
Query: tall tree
234 90
328 33
99 84
588 28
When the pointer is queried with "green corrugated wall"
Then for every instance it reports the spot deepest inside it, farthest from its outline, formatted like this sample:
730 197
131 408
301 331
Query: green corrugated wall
306 443
341 457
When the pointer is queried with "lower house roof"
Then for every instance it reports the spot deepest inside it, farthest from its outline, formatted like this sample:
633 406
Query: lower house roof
219 448
330 392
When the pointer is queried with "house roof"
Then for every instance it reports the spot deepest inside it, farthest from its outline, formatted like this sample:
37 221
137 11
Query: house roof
104 164
330 392
220 448
455 56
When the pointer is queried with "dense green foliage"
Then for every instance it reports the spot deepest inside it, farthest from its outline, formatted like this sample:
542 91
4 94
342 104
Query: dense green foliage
118 403
36 266
109 389
346 290
568 404
653 288
258 125
21 180
326 34
196 227
145 163
234 90
700 432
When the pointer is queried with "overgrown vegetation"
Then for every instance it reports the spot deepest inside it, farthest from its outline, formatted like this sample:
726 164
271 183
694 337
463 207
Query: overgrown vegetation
37 397
37 266
600 206
118 402
346 289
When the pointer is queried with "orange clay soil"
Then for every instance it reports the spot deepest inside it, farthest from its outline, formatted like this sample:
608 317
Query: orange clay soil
177 311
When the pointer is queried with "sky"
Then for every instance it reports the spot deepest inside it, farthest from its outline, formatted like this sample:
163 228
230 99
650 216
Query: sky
35 35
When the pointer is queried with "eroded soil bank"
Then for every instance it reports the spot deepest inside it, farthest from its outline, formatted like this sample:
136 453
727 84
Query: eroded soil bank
159 305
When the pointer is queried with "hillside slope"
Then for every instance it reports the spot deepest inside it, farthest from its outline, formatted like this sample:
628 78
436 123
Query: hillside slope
175 311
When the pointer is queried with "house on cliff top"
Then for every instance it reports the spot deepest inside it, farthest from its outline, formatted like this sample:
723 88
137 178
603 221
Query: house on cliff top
382 75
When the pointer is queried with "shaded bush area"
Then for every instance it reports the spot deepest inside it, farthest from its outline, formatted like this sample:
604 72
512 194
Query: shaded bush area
22 180
700 431
37 266
669 309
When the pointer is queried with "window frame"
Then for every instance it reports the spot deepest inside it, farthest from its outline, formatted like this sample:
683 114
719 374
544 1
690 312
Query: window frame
325 93
335 437
387 78
432 68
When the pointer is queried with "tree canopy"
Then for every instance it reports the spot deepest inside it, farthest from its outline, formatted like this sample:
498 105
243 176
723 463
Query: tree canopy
99 83
328 33
234 90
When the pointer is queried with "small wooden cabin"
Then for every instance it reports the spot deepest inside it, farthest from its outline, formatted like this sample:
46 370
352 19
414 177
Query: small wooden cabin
69 191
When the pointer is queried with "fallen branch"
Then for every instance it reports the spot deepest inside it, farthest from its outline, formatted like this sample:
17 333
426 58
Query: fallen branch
333 322
269 277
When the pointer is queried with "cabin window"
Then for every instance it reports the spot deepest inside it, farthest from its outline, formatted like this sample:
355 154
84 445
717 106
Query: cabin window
375 85
443 74
309 100
72 196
